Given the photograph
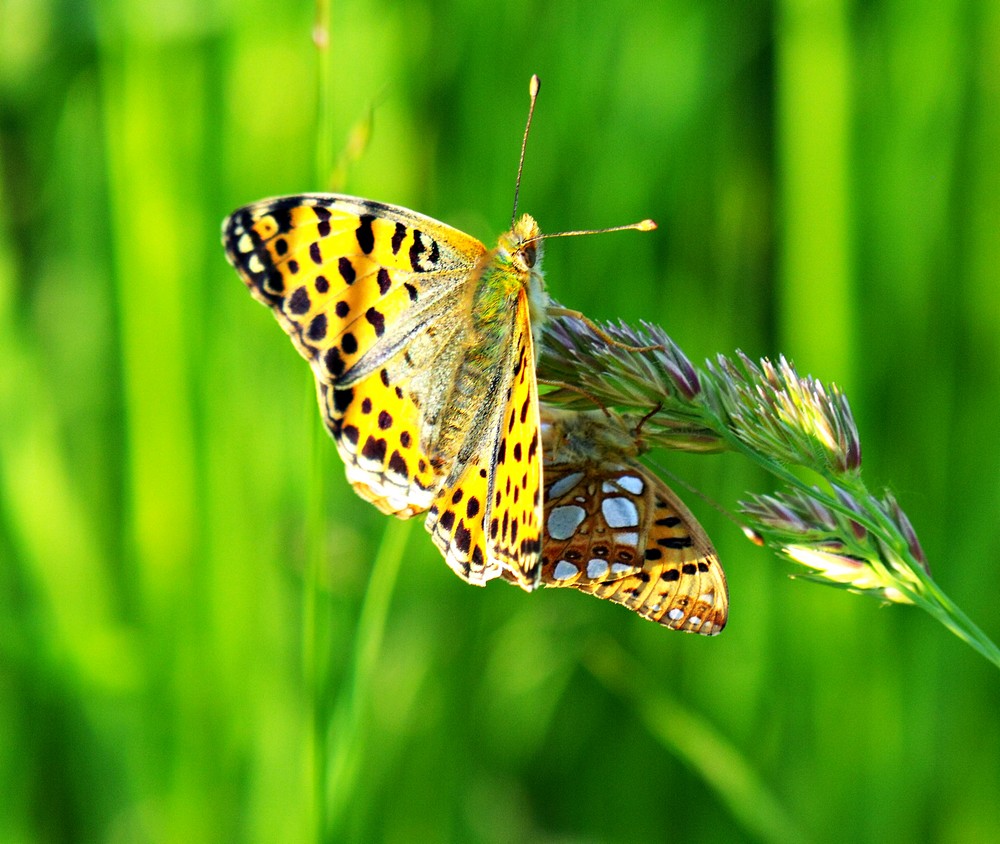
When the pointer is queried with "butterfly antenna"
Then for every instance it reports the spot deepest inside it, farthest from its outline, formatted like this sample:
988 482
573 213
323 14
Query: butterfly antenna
533 87
641 226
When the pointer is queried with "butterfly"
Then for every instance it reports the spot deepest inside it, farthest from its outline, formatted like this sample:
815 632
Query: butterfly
421 341
422 344
615 530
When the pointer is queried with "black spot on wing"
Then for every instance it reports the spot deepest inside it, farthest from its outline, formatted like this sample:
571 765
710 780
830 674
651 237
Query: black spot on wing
317 328
377 321
364 233
676 542
397 237
374 449
463 538
384 282
323 215
342 399
346 270
416 248
334 362
398 465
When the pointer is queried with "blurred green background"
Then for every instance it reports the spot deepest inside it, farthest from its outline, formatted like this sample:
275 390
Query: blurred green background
191 648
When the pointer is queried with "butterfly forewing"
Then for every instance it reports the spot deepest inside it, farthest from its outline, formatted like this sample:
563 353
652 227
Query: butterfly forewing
341 273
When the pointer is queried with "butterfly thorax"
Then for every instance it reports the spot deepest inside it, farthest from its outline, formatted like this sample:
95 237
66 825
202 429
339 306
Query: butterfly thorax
513 267
585 436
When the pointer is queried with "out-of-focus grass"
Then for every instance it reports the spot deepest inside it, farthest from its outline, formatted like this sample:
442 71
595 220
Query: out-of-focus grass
183 569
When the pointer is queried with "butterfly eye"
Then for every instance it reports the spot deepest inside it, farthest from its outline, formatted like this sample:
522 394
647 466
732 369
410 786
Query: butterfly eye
529 253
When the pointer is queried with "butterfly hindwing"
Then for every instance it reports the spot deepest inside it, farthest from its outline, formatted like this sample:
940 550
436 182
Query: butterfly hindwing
514 519
376 440
593 521
615 530
680 584
486 517
455 522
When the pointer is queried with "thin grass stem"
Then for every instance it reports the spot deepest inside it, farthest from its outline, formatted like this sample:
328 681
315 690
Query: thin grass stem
345 725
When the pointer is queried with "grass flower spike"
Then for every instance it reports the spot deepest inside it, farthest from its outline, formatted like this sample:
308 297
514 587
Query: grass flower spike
793 426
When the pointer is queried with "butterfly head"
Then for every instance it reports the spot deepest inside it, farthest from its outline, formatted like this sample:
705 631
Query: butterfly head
523 244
